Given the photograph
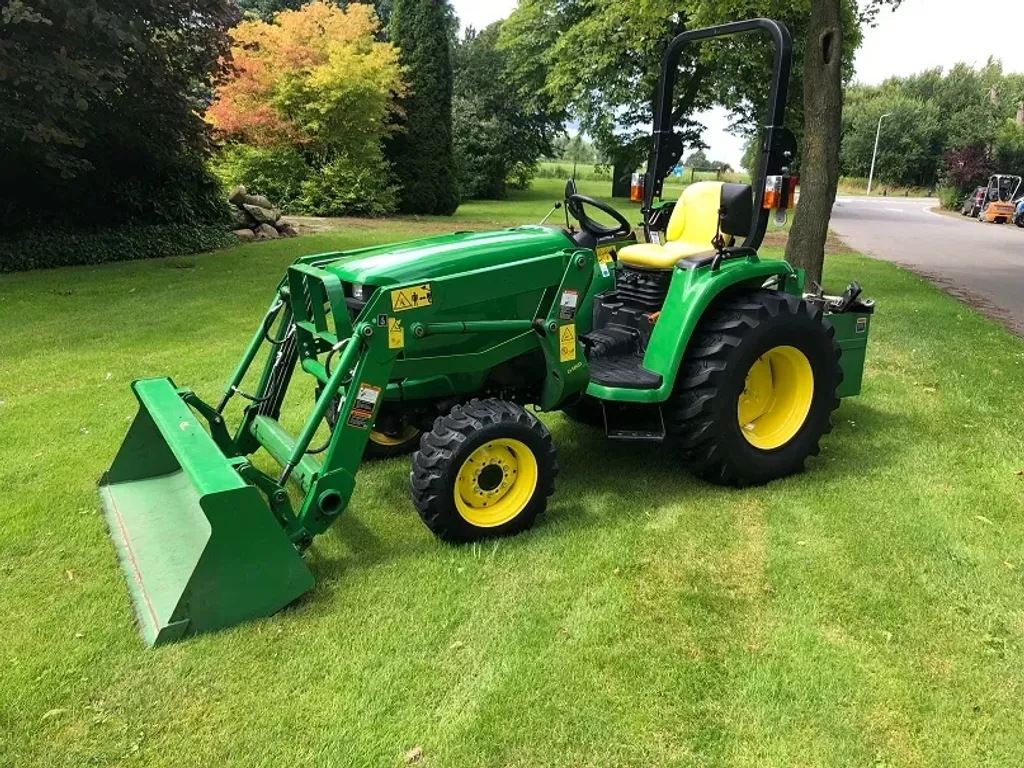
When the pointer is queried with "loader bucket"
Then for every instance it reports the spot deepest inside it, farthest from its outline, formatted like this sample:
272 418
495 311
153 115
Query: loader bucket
199 547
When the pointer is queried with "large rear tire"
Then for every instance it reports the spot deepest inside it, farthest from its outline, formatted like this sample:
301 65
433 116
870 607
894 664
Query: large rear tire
756 390
486 470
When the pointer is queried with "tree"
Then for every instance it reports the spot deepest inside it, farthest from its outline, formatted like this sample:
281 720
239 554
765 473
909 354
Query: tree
823 109
610 89
422 153
751 153
967 168
499 133
267 9
1009 148
830 24
698 160
574 149
910 140
307 107
99 110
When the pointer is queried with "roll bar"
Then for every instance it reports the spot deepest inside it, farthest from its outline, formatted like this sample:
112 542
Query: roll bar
778 145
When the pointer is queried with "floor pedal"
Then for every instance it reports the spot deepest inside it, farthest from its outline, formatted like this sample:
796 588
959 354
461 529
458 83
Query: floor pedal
634 422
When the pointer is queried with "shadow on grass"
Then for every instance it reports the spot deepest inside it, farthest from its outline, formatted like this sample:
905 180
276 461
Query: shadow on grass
596 474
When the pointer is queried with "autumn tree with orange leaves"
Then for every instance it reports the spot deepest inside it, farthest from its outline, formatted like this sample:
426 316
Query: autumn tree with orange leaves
310 100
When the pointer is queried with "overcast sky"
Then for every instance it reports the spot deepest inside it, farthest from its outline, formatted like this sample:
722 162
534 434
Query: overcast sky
920 35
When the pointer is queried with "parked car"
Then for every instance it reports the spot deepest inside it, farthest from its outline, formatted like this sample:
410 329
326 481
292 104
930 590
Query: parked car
973 202
1018 214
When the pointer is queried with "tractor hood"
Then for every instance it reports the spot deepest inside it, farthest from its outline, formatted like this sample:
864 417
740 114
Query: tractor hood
446 255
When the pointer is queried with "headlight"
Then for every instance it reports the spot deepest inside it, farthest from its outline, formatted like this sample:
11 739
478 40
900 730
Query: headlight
359 291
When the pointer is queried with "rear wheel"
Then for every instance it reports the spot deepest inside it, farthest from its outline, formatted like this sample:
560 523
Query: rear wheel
485 470
757 389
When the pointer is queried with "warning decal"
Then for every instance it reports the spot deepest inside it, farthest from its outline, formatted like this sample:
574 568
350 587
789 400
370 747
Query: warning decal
606 255
862 325
411 298
567 307
567 343
366 402
396 334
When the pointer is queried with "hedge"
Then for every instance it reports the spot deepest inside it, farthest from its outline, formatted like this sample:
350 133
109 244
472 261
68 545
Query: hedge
42 249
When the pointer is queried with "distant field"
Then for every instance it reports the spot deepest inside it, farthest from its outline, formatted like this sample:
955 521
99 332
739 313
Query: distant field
849 185
589 172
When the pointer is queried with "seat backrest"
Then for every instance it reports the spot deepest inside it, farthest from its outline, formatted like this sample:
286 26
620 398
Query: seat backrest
695 217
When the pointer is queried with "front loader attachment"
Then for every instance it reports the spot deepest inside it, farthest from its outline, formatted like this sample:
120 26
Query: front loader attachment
200 547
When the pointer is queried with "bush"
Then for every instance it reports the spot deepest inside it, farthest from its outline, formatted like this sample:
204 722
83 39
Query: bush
276 173
949 198
39 249
344 187
98 113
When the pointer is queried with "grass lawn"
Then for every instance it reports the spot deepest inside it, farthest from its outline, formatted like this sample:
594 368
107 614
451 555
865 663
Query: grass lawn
866 613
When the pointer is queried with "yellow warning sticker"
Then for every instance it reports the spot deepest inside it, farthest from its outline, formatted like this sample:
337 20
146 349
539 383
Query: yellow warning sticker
605 255
411 298
567 343
396 333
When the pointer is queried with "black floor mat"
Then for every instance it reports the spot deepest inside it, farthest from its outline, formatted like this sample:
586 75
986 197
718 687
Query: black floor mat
624 371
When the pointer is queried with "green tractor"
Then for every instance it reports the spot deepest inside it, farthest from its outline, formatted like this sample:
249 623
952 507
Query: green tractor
687 338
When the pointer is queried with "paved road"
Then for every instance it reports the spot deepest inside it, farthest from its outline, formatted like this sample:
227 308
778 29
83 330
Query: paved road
981 263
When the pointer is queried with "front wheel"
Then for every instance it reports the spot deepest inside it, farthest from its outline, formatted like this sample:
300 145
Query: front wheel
757 389
485 470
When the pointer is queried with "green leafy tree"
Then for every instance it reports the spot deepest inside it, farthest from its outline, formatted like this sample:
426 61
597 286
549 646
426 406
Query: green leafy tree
267 9
1009 148
910 145
698 160
575 149
499 133
610 89
99 110
422 152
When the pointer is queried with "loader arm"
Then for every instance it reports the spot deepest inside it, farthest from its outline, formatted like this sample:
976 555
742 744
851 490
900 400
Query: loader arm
206 538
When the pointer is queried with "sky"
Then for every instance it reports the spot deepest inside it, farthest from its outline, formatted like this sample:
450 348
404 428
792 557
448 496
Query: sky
920 35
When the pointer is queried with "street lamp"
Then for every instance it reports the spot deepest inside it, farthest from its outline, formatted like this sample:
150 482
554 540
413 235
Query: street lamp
874 157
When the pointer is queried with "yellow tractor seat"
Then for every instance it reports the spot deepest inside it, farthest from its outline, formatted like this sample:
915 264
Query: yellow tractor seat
695 222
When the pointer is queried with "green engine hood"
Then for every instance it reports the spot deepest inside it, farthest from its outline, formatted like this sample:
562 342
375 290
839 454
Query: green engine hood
437 257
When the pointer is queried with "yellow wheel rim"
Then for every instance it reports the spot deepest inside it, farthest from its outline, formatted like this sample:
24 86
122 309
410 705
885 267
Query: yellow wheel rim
776 398
496 483
407 434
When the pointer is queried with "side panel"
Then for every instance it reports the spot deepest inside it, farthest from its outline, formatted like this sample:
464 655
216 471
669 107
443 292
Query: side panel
852 331
689 296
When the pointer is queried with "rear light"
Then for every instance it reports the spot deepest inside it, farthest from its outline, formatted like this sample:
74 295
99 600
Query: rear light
637 188
780 193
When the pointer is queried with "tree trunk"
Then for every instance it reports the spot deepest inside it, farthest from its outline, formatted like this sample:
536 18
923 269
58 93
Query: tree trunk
823 111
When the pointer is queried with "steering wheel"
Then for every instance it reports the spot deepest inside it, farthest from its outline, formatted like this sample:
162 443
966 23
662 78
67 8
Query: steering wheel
576 204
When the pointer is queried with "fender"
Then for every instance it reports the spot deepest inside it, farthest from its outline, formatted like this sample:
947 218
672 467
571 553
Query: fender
691 292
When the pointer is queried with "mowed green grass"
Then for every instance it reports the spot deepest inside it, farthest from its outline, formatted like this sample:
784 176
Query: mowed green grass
865 613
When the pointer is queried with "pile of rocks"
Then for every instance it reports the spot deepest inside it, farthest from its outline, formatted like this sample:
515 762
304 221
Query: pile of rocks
254 217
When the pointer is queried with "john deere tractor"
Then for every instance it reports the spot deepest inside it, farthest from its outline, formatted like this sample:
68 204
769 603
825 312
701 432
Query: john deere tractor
683 336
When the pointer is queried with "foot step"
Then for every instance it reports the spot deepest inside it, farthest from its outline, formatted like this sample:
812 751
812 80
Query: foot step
634 422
